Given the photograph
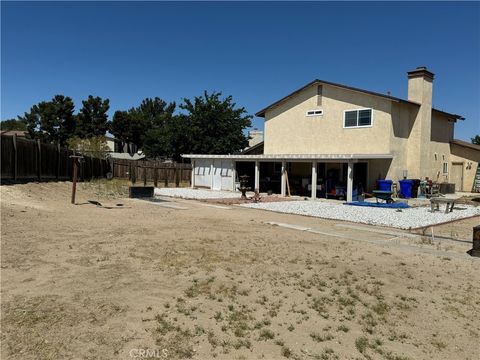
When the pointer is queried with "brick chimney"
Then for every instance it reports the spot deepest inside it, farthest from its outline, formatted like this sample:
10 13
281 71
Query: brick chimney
420 86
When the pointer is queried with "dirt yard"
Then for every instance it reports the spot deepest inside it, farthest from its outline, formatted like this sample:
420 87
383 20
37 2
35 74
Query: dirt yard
188 279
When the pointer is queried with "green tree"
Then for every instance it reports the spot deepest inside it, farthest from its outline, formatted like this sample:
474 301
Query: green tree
133 125
129 127
211 125
92 120
13 124
51 121
476 140
95 146
155 112
216 125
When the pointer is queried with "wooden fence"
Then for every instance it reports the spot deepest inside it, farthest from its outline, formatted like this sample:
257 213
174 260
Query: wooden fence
27 160
152 171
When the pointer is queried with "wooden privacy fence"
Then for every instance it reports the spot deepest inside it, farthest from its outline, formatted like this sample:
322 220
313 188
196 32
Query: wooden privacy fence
152 171
27 160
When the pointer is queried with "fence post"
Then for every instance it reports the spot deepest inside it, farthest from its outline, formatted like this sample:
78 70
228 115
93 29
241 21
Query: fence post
177 180
58 161
15 158
155 175
133 175
92 168
39 160
166 176
144 174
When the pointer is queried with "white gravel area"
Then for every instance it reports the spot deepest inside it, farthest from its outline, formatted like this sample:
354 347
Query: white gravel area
189 193
405 219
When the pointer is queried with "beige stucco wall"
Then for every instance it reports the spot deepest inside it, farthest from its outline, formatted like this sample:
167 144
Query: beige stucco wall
470 159
436 148
418 139
289 131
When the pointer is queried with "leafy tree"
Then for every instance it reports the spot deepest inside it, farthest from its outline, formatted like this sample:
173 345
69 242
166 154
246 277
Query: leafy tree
169 140
212 125
95 146
476 140
92 118
51 121
133 125
216 125
13 124
155 112
129 127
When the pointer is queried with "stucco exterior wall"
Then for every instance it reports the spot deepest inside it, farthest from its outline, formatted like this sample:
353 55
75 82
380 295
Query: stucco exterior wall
470 159
418 138
436 149
289 131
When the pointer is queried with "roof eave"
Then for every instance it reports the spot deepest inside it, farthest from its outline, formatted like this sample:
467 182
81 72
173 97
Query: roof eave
262 112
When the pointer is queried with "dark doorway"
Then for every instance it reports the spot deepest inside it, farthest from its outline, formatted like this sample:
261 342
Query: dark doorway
246 168
270 177
360 176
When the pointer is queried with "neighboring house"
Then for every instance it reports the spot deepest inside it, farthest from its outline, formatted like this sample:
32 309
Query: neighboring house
255 137
122 150
337 136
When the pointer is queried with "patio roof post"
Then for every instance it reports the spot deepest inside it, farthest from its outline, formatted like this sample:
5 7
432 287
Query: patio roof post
314 180
211 175
192 180
234 174
350 181
257 176
283 189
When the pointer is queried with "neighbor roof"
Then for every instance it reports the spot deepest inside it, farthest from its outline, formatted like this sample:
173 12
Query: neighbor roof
261 113
465 144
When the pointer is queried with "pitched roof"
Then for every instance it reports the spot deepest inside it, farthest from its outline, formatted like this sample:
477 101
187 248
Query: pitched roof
465 144
261 113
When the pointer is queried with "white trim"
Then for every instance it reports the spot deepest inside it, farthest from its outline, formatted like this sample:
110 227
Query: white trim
350 181
314 112
270 157
443 168
313 194
358 126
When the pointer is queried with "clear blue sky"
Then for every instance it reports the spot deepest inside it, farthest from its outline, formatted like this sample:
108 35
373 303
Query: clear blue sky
257 52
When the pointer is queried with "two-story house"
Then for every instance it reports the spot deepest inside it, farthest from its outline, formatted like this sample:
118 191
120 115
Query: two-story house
325 138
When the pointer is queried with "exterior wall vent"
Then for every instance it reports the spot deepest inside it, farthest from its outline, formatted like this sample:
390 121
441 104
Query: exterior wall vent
314 112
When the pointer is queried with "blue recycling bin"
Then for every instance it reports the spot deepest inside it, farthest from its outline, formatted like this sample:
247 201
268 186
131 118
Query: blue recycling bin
406 188
384 185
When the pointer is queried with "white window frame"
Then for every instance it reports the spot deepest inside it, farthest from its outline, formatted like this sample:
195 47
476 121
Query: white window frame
358 111
445 165
320 112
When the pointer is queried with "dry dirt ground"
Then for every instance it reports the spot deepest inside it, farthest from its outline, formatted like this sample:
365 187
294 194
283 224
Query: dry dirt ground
186 279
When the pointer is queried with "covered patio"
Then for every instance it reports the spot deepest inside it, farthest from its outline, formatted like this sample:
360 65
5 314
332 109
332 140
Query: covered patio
338 176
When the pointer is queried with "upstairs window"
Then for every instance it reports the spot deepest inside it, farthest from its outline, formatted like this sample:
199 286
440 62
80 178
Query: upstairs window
357 118
314 112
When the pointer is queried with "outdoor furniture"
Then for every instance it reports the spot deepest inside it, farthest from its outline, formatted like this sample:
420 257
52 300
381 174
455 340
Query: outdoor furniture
383 195
435 204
